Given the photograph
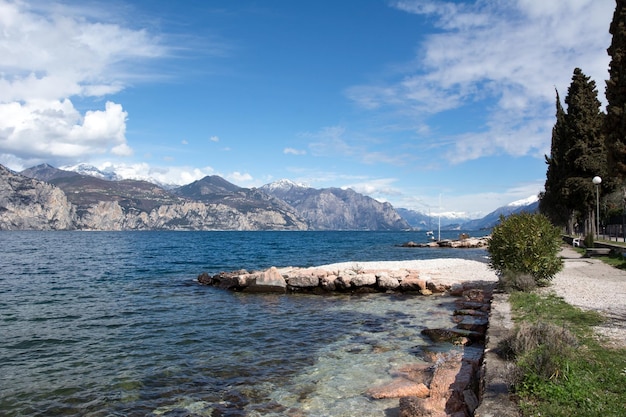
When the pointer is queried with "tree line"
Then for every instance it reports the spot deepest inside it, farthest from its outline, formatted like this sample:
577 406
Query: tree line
587 142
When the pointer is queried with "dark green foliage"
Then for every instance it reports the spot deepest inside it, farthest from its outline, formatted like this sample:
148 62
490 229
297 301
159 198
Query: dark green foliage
528 244
577 154
552 202
615 126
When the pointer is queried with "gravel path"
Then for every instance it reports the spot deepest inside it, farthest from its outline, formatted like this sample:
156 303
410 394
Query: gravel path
593 285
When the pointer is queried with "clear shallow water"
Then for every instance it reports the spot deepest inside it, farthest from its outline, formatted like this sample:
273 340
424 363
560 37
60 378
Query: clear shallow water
114 324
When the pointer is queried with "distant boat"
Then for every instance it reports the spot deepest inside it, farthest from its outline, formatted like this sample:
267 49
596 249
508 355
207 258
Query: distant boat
429 233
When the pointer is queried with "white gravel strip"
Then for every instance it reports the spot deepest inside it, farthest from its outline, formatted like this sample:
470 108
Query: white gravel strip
445 271
593 285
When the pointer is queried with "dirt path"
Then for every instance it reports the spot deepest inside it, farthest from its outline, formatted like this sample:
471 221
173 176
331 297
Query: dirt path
593 285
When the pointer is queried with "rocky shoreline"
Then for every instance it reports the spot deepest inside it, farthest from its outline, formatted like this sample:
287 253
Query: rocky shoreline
449 384
463 242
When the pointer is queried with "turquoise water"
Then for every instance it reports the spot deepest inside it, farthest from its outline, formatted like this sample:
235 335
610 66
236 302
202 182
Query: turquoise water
114 324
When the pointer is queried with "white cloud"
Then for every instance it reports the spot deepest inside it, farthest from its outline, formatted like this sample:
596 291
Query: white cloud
239 178
50 54
41 128
506 57
214 139
293 151
381 189
172 175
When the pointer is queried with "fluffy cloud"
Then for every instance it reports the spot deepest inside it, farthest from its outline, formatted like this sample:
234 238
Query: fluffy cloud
503 57
170 175
51 54
41 128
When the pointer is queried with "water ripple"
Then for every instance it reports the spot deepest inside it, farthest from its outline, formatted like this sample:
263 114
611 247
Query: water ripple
107 324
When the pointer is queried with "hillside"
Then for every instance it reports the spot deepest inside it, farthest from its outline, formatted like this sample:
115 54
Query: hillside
337 209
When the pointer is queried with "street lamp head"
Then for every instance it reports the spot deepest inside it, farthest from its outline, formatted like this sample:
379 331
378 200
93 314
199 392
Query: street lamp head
596 180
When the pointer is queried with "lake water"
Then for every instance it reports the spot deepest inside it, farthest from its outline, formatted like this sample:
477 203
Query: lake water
115 324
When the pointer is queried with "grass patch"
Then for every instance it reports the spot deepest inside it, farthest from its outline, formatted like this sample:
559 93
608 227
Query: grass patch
563 370
615 259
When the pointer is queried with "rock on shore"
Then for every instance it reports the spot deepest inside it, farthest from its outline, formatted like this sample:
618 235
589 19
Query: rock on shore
462 242
424 277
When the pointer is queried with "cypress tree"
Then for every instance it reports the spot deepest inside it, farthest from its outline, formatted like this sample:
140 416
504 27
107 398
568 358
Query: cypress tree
586 155
615 91
577 154
552 200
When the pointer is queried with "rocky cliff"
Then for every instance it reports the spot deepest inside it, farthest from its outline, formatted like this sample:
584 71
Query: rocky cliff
28 204
74 201
337 209
44 197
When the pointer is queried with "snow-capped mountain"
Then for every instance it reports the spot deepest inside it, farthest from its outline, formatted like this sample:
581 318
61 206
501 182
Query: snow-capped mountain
283 185
92 171
462 221
530 205
111 174
524 202
423 221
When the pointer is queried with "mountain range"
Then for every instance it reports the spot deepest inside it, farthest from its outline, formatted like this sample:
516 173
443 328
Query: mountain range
82 197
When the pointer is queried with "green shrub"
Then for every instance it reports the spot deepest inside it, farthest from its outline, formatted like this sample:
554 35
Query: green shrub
526 243
588 241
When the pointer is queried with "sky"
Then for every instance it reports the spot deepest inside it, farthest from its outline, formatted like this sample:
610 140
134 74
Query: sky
431 105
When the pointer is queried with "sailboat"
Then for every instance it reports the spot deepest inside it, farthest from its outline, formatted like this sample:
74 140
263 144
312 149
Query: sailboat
430 233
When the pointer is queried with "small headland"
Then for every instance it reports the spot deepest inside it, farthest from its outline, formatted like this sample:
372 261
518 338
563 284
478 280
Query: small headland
464 241
446 378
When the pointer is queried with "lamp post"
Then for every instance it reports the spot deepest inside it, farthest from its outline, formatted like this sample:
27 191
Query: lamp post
596 181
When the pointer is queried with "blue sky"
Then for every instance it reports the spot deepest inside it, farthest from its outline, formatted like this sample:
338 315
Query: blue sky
430 105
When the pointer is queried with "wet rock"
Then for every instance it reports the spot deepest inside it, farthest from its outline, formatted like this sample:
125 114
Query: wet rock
470 312
398 388
328 283
417 372
343 282
205 279
454 336
303 281
476 324
412 282
436 288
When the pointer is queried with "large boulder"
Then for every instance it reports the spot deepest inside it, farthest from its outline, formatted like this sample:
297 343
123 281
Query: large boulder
386 281
270 281
364 280
303 281
413 282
